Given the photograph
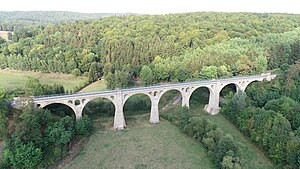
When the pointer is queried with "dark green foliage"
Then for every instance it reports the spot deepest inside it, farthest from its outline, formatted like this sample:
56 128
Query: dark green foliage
94 72
21 155
37 140
288 108
83 126
225 147
218 145
135 103
235 106
275 127
3 115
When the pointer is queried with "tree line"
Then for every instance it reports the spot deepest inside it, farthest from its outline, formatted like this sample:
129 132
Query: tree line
122 45
271 117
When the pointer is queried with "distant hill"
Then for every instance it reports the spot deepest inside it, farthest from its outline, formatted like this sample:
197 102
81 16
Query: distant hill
9 21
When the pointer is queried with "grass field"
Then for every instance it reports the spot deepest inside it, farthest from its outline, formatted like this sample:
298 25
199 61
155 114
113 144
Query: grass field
251 156
96 86
12 79
140 146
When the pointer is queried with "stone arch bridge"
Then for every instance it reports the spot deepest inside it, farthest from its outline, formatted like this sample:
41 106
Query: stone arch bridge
78 101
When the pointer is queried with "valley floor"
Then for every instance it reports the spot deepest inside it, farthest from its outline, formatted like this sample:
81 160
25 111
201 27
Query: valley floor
140 146
159 146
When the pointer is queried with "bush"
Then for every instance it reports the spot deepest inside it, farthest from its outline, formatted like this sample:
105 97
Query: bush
83 126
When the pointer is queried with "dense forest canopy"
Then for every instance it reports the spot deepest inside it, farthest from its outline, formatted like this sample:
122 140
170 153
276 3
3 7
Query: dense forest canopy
162 48
11 21
175 47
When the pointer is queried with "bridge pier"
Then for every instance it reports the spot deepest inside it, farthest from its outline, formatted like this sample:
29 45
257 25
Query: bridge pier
185 102
213 105
119 120
154 115
78 111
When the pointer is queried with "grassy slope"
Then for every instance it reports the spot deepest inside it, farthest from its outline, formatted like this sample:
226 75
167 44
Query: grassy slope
12 79
96 86
141 146
252 157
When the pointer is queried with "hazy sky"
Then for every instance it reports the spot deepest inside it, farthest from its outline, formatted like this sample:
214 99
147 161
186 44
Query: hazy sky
153 6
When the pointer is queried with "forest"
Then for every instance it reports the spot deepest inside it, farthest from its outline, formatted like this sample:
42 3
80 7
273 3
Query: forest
159 49
162 48
15 20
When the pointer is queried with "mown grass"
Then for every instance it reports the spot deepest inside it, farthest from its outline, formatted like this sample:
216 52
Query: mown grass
140 146
12 79
251 156
96 86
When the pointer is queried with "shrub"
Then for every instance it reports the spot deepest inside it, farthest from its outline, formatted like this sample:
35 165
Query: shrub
83 126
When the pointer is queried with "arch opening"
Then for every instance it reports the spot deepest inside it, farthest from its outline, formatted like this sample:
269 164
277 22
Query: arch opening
199 98
171 98
60 110
137 109
227 93
259 99
99 108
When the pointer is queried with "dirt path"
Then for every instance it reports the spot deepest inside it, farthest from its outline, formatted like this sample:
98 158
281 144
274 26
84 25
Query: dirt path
74 151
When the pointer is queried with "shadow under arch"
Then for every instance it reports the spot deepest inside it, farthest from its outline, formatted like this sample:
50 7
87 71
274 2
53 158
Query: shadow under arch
169 99
99 107
199 97
227 92
136 107
60 110
255 83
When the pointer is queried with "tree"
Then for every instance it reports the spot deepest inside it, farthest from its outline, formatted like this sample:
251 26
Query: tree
93 72
147 75
209 72
182 74
24 155
235 106
33 87
83 126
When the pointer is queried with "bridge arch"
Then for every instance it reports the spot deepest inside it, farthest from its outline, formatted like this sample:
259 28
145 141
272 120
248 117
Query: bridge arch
71 111
98 105
136 104
198 94
167 94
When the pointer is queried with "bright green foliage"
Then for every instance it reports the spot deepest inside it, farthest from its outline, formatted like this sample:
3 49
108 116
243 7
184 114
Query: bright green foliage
191 41
76 72
147 75
230 163
210 72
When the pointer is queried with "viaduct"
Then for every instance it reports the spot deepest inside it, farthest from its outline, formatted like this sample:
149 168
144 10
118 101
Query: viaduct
118 97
